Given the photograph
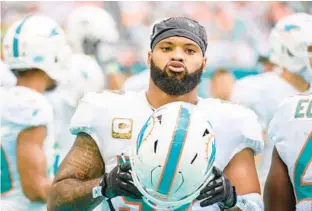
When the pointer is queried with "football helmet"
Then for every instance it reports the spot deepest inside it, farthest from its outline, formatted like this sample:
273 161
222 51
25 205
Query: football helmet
289 41
174 155
88 27
36 42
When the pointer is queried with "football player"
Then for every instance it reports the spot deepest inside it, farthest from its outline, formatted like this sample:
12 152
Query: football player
289 182
84 75
93 32
291 133
264 92
108 123
35 50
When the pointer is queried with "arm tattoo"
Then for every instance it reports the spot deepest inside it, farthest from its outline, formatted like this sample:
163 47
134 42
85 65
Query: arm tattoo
80 171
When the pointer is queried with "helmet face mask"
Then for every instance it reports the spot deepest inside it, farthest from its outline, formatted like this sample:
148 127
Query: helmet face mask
89 46
174 143
87 26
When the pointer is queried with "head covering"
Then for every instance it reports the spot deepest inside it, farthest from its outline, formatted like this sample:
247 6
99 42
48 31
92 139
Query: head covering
181 27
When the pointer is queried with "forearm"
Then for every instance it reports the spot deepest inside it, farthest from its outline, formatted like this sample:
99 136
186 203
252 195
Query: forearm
35 182
275 201
38 189
43 188
72 194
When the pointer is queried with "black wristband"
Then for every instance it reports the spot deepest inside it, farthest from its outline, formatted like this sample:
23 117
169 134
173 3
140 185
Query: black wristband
103 185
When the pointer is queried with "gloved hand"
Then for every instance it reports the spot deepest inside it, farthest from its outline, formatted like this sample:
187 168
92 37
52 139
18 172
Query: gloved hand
119 182
219 190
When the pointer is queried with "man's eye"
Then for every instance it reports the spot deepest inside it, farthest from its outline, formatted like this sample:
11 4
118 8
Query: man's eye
190 51
166 49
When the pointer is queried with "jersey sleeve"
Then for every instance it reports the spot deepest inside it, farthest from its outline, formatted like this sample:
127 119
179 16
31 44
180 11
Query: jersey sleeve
243 131
251 131
85 119
236 128
28 109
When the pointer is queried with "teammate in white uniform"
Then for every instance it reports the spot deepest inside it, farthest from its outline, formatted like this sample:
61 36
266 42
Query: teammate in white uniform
291 132
263 93
7 77
92 31
289 183
108 123
84 76
26 123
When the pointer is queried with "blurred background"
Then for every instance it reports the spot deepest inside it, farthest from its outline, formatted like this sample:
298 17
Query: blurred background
232 27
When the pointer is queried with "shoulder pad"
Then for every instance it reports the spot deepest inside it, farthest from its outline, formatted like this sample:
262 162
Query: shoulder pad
27 107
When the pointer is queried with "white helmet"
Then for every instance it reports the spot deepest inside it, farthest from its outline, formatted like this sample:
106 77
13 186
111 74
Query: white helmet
36 42
84 76
289 41
174 156
88 26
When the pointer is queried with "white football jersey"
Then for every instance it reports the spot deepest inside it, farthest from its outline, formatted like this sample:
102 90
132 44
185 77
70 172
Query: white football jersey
262 93
114 120
7 77
63 112
21 108
291 131
84 76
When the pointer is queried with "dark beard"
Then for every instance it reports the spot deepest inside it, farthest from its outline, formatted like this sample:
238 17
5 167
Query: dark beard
173 86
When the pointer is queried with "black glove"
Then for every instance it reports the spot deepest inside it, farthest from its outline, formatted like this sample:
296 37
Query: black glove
119 182
219 190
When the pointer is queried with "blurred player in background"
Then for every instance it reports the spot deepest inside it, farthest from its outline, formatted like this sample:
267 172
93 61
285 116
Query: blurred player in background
35 50
84 76
89 28
291 132
222 83
93 32
263 93
289 182
107 124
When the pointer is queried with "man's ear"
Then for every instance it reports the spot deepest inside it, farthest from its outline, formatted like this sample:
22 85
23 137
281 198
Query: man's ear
149 59
205 63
